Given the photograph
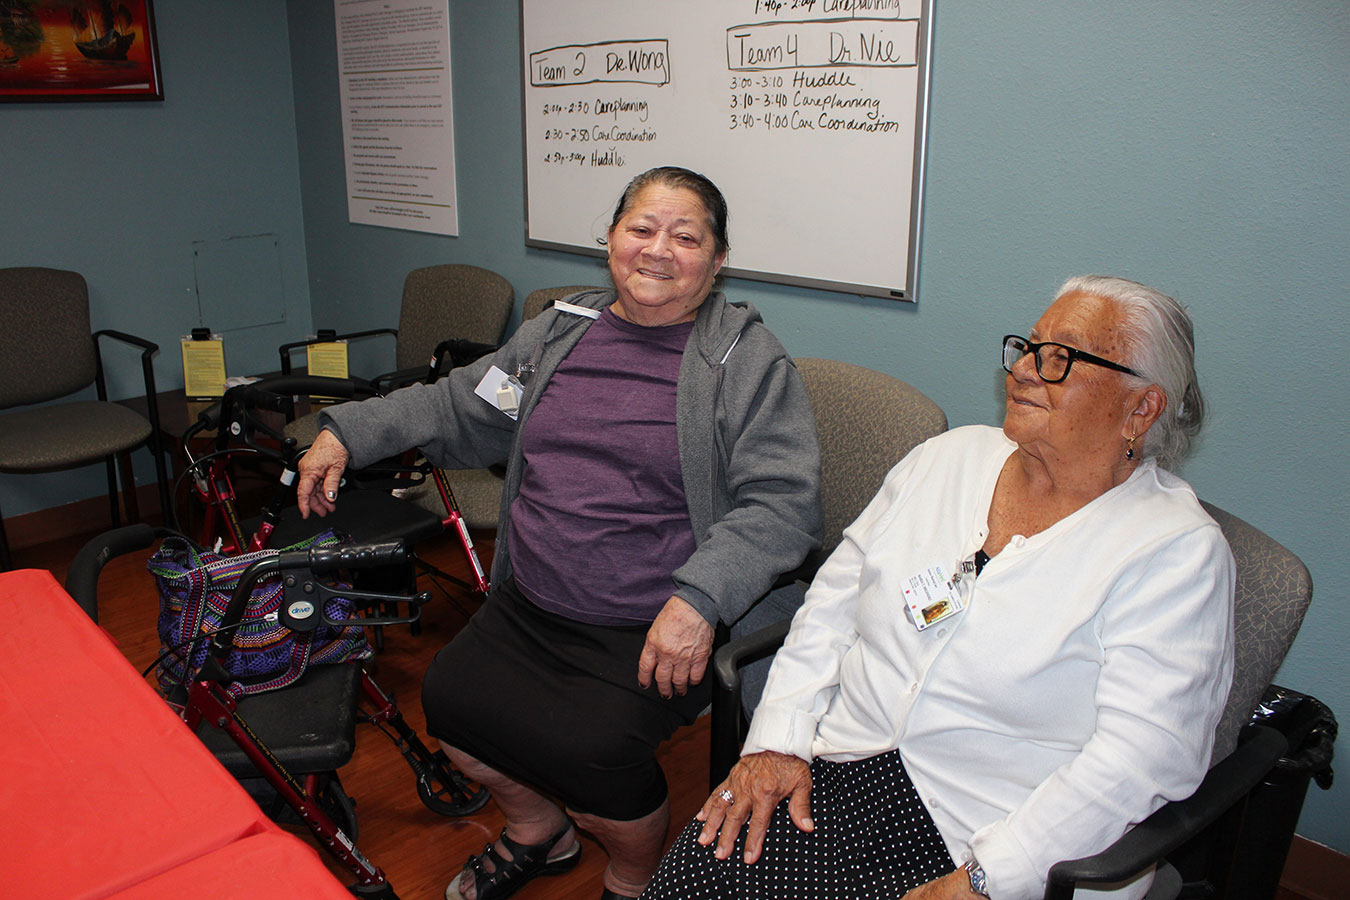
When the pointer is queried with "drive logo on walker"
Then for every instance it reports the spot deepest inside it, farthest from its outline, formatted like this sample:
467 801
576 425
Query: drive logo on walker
301 609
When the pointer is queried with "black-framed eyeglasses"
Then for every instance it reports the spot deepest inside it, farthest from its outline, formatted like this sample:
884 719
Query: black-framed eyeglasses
1053 360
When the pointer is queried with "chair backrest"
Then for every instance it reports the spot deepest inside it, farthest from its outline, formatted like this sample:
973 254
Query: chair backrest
450 301
541 299
866 422
1272 594
46 349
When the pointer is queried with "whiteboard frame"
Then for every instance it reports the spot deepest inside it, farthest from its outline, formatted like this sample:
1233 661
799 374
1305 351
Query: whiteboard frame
908 292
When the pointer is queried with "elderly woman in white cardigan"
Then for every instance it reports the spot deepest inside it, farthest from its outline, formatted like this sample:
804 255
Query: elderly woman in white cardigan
1020 649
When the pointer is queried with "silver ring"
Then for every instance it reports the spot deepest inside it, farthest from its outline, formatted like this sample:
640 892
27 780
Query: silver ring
727 795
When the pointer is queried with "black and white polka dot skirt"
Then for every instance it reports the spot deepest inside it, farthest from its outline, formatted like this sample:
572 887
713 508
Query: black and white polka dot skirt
873 839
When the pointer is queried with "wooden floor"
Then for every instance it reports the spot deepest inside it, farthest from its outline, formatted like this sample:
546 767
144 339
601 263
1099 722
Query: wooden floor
418 850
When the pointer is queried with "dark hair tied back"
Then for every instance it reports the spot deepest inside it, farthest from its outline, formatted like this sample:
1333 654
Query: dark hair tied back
714 204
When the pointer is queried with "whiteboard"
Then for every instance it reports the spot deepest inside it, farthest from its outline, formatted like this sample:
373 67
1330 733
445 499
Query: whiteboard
810 115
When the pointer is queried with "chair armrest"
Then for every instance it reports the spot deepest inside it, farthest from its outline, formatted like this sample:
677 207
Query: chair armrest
449 354
725 731
1225 785
727 661
391 381
326 337
456 352
805 572
148 349
729 658
147 346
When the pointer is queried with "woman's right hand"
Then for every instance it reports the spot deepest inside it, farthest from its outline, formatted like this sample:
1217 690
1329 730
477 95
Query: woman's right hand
758 783
320 473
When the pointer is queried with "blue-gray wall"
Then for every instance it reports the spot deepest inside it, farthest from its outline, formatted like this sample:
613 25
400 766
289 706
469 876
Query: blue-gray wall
125 192
1199 146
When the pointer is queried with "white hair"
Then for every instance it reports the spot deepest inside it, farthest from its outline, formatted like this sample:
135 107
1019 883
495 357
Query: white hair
1160 346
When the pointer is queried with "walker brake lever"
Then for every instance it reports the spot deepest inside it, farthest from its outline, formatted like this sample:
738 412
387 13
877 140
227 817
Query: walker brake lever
306 600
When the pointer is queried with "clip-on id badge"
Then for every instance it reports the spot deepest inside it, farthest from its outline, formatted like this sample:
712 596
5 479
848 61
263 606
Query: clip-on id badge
501 390
931 597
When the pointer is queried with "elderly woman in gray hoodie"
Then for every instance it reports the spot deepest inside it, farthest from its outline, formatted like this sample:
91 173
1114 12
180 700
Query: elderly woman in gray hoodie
662 470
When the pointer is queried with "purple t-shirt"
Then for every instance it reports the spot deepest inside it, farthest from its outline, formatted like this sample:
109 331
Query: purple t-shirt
601 520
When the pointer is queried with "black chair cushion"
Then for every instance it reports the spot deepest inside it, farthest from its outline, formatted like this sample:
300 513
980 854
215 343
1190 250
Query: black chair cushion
67 434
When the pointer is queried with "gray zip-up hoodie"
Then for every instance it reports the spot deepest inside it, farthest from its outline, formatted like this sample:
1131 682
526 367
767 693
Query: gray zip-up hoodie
747 442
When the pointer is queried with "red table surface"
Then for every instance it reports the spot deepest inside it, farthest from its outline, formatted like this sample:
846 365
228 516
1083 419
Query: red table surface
102 786
272 866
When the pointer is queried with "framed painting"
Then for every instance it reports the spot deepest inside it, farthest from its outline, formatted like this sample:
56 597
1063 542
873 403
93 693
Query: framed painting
78 50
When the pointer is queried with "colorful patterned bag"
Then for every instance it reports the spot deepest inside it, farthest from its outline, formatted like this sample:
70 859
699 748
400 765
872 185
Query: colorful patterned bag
195 585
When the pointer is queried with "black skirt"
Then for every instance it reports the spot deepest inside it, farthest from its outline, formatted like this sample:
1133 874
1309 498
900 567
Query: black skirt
555 703
873 838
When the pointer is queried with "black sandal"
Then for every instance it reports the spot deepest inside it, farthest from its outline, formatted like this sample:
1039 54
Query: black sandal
510 875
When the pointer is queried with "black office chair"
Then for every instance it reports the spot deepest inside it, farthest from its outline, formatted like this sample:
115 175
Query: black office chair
866 421
47 353
441 304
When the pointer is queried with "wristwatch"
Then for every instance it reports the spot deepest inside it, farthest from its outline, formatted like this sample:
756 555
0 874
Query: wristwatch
975 872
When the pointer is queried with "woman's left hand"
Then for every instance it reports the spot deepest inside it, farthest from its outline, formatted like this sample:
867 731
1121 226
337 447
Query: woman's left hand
677 649
952 886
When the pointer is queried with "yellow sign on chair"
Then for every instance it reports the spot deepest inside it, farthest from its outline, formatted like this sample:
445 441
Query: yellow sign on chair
203 367
328 359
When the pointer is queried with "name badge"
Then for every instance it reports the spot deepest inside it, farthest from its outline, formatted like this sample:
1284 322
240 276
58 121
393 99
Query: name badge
501 390
930 597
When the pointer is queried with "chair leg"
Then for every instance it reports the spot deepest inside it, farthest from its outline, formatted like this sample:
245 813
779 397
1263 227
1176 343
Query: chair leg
115 508
130 501
167 514
724 743
6 563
